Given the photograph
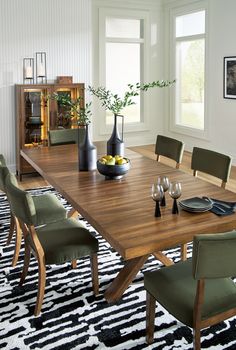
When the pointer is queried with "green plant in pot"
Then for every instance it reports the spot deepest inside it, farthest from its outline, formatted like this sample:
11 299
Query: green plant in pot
115 104
82 113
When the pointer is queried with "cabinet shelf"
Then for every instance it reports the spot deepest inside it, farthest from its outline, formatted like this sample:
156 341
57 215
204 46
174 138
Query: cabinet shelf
36 115
29 124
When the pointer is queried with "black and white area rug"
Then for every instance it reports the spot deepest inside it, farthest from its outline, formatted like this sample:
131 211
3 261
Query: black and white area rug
72 318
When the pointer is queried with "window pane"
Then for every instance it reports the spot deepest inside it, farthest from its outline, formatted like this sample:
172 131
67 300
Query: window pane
191 24
123 68
123 28
190 83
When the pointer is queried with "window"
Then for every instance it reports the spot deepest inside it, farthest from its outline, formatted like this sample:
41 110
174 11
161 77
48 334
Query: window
190 70
122 40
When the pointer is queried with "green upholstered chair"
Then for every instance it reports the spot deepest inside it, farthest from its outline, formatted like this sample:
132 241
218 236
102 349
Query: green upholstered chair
54 243
212 163
170 148
173 149
65 136
49 209
198 292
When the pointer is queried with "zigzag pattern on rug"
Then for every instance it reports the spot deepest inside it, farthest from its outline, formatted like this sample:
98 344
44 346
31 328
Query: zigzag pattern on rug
72 318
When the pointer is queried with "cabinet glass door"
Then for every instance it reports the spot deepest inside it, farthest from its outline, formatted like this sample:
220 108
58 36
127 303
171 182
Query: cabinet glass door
35 116
62 118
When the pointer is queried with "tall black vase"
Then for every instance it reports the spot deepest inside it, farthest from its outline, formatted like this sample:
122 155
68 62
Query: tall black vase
115 145
87 153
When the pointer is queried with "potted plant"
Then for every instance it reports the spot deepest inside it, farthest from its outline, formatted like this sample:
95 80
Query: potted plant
115 104
74 109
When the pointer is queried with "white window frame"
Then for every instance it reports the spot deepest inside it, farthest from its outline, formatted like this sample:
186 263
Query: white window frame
174 127
144 123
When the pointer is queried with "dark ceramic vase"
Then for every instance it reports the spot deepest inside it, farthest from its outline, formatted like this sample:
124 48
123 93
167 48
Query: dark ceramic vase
87 153
115 145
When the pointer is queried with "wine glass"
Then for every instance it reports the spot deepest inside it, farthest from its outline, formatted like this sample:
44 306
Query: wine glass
175 192
157 195
165 183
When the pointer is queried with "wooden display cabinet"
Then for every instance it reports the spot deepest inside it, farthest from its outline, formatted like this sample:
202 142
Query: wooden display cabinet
36 113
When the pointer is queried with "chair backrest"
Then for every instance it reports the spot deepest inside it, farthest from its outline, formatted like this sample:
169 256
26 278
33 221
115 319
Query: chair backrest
212 163
65 136
21 202
4 171
214 255
170 148
2 160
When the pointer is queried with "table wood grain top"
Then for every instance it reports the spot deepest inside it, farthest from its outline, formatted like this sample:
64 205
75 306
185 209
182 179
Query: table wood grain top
122 211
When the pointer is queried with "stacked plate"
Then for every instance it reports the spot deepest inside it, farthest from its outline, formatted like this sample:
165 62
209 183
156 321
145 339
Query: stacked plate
196 205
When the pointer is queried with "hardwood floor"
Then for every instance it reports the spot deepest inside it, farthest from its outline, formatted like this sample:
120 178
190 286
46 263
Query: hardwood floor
33 181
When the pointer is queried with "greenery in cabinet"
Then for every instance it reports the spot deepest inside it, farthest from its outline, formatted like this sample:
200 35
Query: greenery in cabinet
73 107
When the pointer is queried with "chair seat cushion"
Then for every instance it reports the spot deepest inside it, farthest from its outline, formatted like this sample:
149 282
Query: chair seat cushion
175 288
65 240
48 209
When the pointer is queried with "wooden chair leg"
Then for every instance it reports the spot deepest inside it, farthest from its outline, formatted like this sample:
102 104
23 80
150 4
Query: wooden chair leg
73 213
94 271
11 229
177 165
223 184
41 287
74 264
183 252
18 242
26 264
150 317
197 339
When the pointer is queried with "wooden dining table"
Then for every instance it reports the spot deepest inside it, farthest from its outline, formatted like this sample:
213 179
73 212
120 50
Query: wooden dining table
122 211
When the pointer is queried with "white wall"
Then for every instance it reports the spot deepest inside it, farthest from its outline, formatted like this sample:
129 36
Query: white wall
61 28
221 112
